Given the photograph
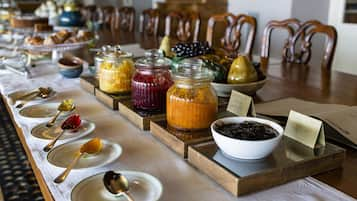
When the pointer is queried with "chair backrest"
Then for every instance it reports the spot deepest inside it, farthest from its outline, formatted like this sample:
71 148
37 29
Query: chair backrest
93 13
108 14
231 40
149 22
124 19
187 26
300 33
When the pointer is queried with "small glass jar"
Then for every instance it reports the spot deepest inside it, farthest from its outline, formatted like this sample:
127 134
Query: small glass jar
151 81
191 102
116 72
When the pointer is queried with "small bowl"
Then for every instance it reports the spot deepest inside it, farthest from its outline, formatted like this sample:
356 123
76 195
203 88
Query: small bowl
225 90
70 67
246 149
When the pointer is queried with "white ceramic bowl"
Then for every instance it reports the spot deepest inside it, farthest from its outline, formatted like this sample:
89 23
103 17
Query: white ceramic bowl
246 149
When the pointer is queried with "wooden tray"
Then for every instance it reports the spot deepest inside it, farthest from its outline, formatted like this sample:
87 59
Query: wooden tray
89 83
178 141
109 100
140 119
290 161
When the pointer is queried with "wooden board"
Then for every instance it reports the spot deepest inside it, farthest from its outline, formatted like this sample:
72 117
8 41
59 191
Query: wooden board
140 119
89 83
178 141
290 161
109 100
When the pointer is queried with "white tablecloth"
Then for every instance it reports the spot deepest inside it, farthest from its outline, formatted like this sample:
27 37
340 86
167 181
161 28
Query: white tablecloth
141 152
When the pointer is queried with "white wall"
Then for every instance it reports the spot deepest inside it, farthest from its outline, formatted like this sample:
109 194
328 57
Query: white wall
264 11
345 57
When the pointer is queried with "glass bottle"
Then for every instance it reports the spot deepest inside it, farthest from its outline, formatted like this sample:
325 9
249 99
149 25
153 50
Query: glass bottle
116 72
151 81
191 102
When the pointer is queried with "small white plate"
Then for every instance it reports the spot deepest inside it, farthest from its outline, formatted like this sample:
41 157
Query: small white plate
18 94
64 154
41 112
41 131
143 187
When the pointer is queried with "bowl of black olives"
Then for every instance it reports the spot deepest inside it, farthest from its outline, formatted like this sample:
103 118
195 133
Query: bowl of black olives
246 137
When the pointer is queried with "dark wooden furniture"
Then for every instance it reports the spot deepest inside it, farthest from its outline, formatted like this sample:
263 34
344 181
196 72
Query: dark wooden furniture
232 39
149 22
123 19
183 26
108 12
300 34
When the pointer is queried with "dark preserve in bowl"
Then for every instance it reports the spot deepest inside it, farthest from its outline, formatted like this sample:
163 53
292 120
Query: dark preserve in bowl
247 130
150 82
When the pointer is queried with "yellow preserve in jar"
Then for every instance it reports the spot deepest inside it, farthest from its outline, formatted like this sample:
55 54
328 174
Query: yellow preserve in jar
191 102
116 72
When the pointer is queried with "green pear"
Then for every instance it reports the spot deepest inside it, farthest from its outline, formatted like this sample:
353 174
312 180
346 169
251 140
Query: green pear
242 71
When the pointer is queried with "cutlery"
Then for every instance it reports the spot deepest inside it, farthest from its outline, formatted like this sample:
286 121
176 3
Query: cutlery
71 123
42 93
91 147
117 183
65 106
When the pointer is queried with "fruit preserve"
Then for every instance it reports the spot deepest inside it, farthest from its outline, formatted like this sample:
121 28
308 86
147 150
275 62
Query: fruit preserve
150 82
116 72
191 102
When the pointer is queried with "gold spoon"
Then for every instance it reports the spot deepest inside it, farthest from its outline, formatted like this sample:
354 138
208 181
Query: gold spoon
116 183
29 94
65 106
71 123
42 93
91 147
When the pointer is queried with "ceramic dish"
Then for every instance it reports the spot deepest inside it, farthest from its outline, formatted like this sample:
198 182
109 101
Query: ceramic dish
61 156
18 94
225 90
143 187
246 149
41 131
70 67
41 112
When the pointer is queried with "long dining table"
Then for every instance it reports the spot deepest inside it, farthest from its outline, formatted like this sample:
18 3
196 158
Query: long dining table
307 82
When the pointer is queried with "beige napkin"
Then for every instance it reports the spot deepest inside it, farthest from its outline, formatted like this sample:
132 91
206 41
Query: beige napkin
342 118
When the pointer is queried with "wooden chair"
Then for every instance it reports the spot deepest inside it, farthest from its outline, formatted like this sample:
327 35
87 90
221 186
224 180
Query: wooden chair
183 27
149 22
300 34
124 19
108 12
231 40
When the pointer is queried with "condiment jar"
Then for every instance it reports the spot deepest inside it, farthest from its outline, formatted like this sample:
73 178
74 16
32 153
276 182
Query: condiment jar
116 72
151 81
191 102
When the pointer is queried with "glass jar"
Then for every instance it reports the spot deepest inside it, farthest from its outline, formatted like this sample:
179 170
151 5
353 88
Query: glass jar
191 102
151 81
116 72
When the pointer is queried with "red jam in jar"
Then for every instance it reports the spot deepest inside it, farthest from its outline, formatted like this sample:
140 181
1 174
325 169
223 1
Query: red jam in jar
151 81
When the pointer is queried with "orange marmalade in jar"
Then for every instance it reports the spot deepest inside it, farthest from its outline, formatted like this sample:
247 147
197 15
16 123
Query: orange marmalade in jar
116 72
191 103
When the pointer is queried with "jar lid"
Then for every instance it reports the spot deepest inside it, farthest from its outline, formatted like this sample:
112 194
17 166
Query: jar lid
153 59
114 53
192 69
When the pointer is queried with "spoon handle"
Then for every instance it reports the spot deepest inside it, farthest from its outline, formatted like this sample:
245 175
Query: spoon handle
65 173
53 120
50 145
128 196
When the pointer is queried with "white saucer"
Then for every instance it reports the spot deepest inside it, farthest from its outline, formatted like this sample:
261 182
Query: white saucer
18 94
41 131
64 154
41 112
143 187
